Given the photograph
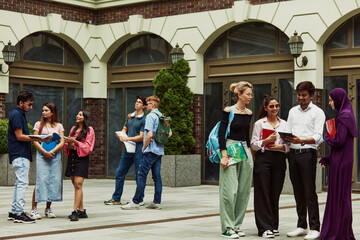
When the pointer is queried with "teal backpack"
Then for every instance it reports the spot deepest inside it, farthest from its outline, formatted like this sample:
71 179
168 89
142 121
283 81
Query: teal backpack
212 144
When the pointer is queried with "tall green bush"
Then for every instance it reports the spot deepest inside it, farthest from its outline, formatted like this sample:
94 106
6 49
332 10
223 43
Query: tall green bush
4 123
175 101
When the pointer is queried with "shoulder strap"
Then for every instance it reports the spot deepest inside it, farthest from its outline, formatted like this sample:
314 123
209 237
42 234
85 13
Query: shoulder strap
127 122
231 118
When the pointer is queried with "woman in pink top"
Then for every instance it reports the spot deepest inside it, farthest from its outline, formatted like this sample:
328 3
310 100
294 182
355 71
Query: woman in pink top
77 148
48 162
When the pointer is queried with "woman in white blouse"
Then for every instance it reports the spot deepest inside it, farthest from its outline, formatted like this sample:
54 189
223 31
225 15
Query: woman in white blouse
269 166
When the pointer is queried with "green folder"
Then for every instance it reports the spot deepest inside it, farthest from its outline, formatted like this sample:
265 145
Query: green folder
237 153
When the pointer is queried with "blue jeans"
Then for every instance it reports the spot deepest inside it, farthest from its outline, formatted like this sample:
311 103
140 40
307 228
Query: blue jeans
153 162
127 159
21 167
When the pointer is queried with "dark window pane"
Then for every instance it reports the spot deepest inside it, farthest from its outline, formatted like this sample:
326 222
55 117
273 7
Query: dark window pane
284 46
11 97
42 48
339 39
74 104
213 109
73 59
251 39
43 95
117 58
357 31
259 92
115 123
145 49
216 50
287 96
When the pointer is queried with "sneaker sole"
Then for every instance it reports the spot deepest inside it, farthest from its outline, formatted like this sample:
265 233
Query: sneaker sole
229 237
133 208
21 221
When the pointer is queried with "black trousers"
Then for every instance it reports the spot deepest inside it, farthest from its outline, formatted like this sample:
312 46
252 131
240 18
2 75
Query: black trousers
269 175
302 169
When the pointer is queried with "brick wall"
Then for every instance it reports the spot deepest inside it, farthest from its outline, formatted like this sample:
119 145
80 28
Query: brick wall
42 8
197 109
2 105
118 14
97 109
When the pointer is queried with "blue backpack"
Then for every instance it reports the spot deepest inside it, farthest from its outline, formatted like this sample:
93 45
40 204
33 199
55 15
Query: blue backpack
212 144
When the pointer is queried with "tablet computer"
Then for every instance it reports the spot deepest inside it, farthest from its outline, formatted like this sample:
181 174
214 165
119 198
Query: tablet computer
283 135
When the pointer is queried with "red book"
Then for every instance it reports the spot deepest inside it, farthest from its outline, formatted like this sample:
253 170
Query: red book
330 127
266 133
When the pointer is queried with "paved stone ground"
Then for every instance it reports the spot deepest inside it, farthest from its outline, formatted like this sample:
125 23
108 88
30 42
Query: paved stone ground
187 213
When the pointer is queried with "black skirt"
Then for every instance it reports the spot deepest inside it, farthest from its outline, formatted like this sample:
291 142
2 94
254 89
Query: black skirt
77 166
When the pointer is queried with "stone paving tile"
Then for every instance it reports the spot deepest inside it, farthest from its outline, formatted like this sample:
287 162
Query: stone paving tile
185 202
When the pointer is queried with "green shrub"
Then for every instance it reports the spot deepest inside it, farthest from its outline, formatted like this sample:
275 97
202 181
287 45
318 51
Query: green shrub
4 123
176 98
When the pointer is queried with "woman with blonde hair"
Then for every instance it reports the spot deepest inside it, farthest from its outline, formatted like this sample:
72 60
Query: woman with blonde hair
235 179
48 162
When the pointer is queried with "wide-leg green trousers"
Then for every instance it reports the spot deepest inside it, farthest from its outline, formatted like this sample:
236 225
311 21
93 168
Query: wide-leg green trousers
234 191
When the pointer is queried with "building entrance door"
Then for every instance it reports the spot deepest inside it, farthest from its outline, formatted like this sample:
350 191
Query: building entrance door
217 96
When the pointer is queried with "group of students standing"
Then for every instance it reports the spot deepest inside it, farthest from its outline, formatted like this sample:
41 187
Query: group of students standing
49 183
77 146
306 124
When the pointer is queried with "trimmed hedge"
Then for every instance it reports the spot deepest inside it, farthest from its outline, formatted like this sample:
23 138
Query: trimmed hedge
4 123
175 101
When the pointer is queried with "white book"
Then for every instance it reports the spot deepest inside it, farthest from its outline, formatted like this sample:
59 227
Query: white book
129 145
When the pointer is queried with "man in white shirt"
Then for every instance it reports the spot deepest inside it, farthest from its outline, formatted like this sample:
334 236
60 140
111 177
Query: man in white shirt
306 123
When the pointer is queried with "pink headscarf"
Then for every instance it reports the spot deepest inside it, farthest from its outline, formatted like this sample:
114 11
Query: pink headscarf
345 112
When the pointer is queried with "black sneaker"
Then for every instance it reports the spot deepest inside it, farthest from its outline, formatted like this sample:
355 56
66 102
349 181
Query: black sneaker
74 216
82 214
23 218
11 216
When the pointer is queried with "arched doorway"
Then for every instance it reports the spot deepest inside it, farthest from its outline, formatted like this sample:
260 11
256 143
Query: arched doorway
51 69
256 52
131 70
341 69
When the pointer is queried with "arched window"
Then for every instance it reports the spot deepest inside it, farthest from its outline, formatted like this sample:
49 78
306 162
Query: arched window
255 38
46 48
346 36
144 49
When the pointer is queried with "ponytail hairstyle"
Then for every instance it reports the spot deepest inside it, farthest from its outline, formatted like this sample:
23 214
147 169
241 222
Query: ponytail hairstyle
85 127
267 99
54 118
239 88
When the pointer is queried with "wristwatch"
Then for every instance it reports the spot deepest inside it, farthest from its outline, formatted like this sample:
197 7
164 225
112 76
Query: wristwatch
303 143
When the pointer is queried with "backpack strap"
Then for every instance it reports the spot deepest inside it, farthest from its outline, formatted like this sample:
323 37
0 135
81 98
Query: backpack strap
153 137
231 118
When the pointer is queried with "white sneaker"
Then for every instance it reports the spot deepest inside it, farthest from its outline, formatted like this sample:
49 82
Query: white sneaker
131 206
240 233
268 234
34 214
230 234
154 206
297 232
49 213
313 234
